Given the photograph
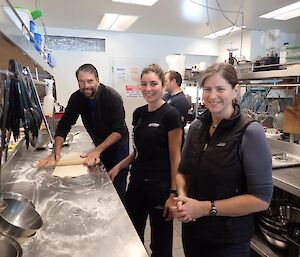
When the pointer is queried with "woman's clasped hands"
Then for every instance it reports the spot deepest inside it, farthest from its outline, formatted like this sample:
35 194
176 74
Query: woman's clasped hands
188 209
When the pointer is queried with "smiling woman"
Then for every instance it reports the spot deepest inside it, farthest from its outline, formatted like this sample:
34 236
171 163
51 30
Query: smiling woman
154 160
225 173
152 90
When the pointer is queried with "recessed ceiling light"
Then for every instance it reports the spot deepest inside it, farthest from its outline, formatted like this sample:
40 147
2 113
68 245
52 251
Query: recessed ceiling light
223 32
116 22
139 2
284 13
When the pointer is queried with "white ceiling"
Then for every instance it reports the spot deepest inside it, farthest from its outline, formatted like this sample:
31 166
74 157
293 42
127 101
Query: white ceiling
166 17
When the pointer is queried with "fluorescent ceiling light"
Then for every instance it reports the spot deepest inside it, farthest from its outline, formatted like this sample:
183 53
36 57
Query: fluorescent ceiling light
139 2
284 13
223 32
192 11
116 22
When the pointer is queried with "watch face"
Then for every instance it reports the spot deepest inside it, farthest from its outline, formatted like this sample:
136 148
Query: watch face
213 211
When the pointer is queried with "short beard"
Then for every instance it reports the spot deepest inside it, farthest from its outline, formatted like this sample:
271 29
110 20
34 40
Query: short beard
93 93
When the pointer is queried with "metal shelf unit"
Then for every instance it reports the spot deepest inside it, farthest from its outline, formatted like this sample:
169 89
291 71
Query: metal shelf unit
290 70
15 45
287 179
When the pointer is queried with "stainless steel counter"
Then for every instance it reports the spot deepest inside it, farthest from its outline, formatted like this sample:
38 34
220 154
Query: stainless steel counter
82 216
287 179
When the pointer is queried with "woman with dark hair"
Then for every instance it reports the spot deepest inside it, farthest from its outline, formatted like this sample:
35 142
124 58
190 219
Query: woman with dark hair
154 162
225 174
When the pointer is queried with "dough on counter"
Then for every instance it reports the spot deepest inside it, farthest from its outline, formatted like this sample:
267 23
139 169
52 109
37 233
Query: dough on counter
70 171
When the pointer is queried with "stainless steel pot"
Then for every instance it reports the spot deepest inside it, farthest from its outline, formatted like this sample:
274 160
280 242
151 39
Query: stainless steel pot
41 141
19 219
9 247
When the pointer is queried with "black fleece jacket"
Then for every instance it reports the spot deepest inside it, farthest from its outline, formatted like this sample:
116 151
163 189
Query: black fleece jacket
104 116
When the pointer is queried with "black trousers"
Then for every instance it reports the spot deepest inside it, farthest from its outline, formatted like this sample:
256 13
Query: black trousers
109 161
147 198
200 247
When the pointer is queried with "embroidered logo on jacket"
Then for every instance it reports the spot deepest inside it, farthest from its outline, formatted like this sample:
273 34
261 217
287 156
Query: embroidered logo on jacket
221 144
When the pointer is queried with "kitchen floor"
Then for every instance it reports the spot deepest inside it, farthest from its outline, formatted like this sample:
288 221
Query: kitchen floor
177 243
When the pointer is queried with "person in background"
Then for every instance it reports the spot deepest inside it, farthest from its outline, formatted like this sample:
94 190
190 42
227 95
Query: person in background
175 96
103 116
157 136
225 173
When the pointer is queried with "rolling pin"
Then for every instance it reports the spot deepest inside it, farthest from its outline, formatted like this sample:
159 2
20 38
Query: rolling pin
67 160
72 161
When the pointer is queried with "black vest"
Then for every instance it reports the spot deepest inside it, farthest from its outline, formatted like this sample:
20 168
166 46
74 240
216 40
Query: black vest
218 174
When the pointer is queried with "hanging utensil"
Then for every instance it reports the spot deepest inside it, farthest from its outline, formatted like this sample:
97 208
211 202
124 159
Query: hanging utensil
6 93
40 106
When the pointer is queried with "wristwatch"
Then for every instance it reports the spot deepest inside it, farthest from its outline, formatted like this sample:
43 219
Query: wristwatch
213 209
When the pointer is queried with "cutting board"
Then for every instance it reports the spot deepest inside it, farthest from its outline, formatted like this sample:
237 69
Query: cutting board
292 117
70 165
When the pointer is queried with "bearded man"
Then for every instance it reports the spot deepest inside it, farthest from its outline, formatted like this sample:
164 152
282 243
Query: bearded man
103 115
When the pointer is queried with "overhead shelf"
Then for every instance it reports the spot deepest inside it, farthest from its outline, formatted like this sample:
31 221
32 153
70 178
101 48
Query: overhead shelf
15 45
292 70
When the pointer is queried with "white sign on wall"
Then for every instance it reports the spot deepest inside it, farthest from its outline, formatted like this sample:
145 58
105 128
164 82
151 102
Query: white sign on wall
133 91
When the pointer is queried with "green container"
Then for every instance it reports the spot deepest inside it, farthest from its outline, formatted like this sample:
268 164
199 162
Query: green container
36 14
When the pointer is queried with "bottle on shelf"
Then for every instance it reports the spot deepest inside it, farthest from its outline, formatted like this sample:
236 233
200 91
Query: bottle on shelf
282 56
48 103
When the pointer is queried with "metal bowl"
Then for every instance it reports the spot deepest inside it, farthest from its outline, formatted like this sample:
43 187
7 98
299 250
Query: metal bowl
16 196
41 141
19 219
9 247
274 239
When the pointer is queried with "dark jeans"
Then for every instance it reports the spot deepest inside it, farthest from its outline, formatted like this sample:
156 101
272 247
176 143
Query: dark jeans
109 161
145 198
195 247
